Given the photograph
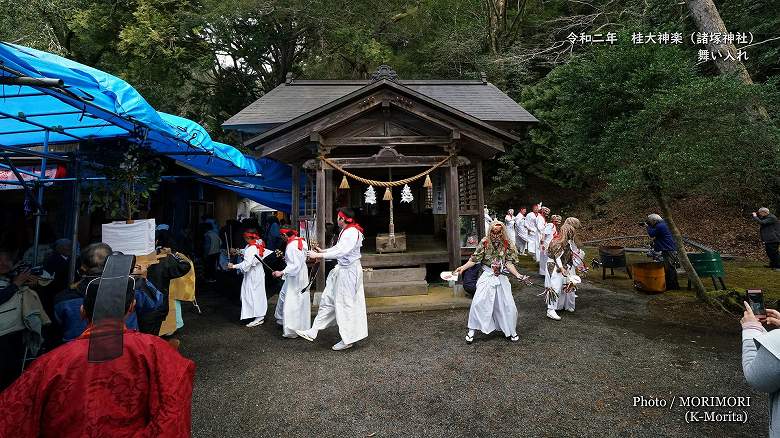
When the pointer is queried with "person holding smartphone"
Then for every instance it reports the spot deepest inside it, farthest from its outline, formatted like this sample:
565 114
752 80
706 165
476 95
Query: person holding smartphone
761 360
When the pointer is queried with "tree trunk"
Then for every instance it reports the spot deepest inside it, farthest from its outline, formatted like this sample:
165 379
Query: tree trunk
496 10
707 18
698 286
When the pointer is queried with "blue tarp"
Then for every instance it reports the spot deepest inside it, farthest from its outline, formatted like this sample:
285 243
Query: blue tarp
197 136
278 200
92 96
97 105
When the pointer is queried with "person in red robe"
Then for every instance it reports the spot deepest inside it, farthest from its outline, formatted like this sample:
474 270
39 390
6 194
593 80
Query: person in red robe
145 392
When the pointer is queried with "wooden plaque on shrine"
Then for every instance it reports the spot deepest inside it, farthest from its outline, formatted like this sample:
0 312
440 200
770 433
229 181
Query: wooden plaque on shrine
385 244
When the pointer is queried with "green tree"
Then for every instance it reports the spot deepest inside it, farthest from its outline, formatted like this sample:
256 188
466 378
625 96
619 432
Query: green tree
578 100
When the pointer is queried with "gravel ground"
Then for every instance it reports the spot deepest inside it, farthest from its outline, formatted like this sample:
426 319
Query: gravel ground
415 376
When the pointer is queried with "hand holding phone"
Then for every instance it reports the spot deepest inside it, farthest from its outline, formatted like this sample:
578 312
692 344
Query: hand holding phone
773 317
755 301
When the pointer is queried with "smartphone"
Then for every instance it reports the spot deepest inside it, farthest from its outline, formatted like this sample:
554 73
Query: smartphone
755 297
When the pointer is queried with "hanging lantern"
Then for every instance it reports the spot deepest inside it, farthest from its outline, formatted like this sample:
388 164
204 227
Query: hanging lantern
428 184
388 195
344 183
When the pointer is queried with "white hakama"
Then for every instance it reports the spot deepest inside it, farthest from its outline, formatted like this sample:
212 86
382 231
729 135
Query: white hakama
540 224
293 310
521 233
343 301
493 306
254 303
530 225
509 224
545 239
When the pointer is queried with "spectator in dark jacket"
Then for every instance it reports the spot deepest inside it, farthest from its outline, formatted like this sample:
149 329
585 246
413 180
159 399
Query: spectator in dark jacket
58 265
273 238
67 304
663 242
770 235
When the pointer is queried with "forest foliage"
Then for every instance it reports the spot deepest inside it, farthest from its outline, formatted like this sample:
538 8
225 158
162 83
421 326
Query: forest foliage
613 117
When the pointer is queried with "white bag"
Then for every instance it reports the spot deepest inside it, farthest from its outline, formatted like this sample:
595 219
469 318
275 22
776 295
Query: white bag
136 238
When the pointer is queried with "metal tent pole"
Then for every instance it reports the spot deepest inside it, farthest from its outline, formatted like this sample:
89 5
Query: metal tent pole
76 210
36 237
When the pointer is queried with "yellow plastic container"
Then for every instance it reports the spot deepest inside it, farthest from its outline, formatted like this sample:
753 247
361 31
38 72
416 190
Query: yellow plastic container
649 277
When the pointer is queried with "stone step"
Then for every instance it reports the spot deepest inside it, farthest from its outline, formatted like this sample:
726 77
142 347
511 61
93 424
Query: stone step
396 288
393 275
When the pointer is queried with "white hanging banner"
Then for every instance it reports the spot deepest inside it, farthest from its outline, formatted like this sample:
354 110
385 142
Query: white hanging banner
136 238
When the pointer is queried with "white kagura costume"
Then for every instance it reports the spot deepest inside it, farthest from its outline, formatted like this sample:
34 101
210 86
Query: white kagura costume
293 310
254 303
533 240
343 301
509 225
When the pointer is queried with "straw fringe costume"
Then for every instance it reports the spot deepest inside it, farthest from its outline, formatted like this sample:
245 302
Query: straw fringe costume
564 259
493 306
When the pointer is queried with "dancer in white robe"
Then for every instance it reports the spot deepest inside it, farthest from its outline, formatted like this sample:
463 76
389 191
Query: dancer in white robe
493 306
530 225
565 259
521 232
550 232
509 224
343 301
293 310
254 303
541 225
488 220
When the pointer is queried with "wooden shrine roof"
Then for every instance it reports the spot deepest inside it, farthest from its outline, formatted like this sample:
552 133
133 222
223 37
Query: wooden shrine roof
477 98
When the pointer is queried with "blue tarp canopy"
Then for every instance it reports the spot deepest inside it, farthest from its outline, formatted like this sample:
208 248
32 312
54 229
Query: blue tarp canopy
278 200
91 104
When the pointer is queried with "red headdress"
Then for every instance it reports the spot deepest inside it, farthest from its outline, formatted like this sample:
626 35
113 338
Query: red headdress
350 223
253 239
292 235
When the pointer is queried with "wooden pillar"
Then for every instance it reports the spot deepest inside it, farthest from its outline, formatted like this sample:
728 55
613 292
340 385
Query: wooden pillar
330 191
453 210
296 194
480 201
321 208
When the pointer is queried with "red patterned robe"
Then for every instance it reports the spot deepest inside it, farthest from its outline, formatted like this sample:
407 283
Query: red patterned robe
147 392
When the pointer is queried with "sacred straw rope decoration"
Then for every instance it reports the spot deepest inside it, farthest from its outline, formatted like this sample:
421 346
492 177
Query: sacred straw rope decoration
385 184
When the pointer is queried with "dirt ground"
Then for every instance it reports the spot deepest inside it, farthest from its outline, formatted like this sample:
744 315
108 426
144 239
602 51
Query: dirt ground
415 375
